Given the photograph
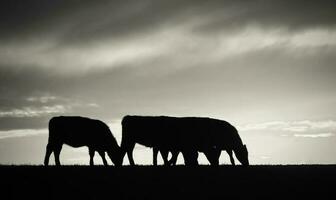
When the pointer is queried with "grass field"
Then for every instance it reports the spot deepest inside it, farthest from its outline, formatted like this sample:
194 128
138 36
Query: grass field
148 182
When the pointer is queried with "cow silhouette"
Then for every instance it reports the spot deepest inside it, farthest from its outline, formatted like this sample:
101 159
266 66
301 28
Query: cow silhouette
182 134
213 133
156 132
80 131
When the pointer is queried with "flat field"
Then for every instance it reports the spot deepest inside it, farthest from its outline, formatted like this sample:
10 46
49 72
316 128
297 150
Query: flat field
179 182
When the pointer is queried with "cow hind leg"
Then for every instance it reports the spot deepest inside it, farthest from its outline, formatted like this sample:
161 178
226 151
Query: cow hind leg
130 157
127 147
47 155
130 154
102 155
57 152
91 153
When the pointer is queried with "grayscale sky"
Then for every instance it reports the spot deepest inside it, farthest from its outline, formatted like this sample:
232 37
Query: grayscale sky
266 66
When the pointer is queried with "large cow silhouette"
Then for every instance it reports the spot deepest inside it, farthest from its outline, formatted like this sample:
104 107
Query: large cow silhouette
157 132
80 131
215 134
185 134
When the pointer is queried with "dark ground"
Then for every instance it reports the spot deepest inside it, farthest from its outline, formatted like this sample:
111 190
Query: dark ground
180 182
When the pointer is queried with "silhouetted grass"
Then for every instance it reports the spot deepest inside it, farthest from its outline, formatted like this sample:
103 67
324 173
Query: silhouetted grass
149 182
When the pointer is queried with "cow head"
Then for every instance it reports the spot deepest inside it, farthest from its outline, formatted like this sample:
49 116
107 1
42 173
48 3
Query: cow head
115 156
242 155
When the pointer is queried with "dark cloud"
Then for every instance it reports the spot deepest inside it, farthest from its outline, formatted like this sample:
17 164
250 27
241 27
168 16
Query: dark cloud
81 21
269 14
37 17
78 20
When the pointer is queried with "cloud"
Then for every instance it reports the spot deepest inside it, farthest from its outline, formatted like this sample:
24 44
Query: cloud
122 34
291 15
27 112
273 125
21 133
304 128
176 47
41 99
84 20
34 112
93 105
318 135
46 105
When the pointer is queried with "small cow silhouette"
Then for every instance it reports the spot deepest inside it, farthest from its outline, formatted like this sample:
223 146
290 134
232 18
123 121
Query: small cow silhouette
186 134
80 131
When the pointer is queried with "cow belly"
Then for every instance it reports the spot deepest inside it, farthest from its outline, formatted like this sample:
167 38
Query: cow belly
77 142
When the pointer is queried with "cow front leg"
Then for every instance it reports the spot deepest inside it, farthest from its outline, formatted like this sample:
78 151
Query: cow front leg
155 153
164 155
102 155
47 155
91 153
213 155
231 156
190 157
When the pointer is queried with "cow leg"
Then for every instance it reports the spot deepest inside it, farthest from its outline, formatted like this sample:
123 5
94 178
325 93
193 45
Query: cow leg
164 155
231 156
155 153
130 154
127 147
47 155
91 153
173 159
190 158
57 151
194 161
213 156
122 155
102 155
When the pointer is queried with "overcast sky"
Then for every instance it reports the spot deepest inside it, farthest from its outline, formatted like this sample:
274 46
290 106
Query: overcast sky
266 66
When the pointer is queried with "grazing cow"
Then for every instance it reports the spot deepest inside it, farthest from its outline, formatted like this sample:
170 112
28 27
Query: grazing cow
186 134
214 133
151 132
80 131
